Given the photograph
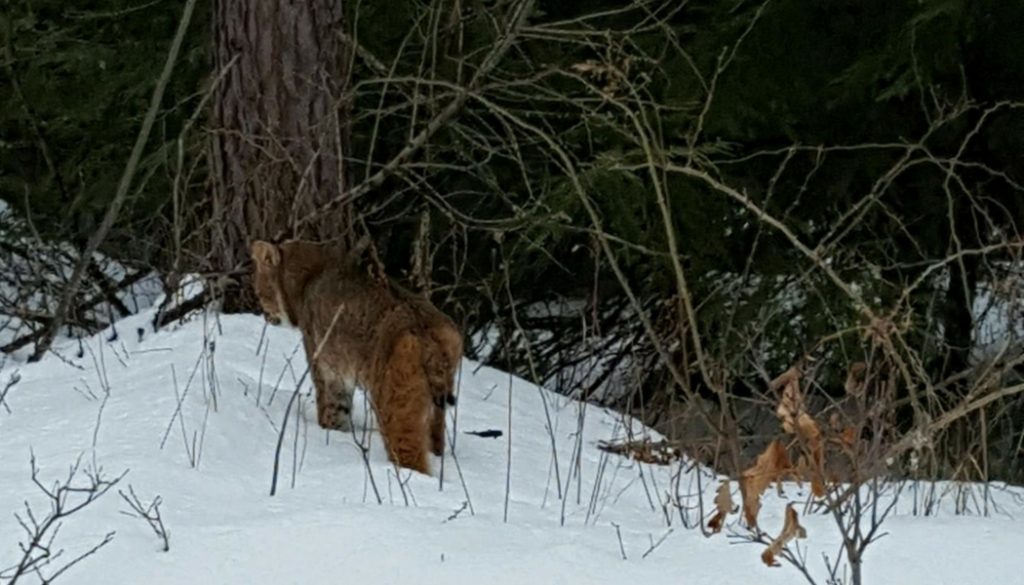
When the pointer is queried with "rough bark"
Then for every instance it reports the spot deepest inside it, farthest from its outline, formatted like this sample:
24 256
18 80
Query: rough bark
278 121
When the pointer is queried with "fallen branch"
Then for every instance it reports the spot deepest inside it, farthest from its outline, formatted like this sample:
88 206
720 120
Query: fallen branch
177 312
86 305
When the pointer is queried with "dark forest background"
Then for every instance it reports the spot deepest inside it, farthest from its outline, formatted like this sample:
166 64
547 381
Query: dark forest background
656 205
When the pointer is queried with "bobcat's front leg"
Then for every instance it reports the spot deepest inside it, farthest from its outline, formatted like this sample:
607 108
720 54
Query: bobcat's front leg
333 399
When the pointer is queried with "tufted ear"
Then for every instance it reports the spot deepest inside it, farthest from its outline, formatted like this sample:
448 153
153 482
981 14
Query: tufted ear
265 253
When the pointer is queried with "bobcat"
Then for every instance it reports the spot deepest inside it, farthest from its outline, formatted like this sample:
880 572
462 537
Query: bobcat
400 348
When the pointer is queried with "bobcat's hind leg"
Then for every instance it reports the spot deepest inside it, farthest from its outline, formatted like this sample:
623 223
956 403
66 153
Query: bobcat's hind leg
437 421
333 399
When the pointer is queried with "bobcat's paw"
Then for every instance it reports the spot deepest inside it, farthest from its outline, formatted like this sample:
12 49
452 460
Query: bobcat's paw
336 419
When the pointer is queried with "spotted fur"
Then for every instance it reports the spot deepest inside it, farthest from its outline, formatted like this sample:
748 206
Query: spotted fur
356 331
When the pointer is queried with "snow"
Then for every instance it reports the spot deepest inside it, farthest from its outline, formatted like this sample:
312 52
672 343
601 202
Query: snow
113 402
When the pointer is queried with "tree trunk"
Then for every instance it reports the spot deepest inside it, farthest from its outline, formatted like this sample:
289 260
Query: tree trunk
958 322
276 152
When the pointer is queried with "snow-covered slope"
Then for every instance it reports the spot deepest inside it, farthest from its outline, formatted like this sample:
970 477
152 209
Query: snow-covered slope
193 415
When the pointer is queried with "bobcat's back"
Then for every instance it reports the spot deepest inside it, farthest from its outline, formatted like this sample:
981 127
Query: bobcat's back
397 345
369 320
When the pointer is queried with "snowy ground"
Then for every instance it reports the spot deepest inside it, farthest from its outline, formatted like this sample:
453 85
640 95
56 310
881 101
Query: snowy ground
116 403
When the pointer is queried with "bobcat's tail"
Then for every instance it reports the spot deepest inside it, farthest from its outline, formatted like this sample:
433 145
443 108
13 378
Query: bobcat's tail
440 363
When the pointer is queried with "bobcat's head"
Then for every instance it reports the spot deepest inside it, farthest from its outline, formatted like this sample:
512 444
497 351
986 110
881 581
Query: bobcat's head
268 281
282 271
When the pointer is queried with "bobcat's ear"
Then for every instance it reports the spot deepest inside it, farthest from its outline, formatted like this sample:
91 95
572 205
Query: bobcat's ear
265 253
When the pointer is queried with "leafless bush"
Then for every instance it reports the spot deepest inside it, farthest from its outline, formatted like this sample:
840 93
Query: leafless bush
846 452
150 513
41 557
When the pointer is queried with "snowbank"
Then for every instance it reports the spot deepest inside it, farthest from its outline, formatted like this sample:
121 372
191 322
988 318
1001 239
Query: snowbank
193 414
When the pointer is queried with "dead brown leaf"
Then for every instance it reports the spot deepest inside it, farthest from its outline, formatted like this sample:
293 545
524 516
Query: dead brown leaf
855 380
807 468
589 66
814 464
790 529
791 404
771 465
607 75
848 437
796 421
723 507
